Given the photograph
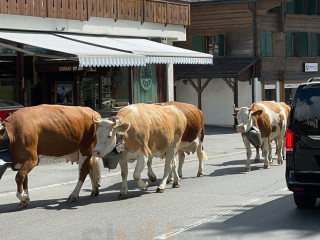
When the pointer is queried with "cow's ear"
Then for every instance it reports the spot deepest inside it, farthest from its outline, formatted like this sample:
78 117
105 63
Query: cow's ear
257 113
122 128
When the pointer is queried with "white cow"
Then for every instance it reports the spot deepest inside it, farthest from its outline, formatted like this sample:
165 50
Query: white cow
271 119
144 130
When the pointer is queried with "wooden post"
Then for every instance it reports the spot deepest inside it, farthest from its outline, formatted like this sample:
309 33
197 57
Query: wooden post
235 97
20 75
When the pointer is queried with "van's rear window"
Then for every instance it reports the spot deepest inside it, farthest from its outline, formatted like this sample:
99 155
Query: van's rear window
306 109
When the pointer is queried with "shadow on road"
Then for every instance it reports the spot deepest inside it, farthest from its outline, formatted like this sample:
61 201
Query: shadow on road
260 220
213 130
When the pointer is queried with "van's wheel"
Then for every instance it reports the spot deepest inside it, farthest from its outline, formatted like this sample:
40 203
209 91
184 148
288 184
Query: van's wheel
304 200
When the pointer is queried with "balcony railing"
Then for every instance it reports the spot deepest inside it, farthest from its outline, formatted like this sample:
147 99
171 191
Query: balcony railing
155 11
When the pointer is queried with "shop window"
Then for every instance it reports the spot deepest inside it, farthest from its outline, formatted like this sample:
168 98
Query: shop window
289 43
270 92
290 7
289 92
266 44
275 10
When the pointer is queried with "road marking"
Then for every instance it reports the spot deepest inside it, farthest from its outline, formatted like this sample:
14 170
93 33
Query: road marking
206 220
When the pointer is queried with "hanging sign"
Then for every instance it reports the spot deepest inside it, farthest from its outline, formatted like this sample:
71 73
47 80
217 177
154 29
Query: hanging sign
145 77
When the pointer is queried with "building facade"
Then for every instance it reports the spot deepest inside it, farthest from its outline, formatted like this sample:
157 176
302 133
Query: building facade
262 51
96 53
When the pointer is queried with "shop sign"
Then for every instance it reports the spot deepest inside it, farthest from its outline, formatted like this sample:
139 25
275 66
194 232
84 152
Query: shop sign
270 86
69 68
296 85
311 67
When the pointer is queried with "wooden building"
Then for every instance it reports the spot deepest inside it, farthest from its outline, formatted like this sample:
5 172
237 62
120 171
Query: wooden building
279 41
99 52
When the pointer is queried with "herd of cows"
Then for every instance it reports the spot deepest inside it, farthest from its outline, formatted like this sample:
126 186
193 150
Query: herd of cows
139 132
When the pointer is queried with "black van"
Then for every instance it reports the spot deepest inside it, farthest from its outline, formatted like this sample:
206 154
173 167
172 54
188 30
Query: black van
303 145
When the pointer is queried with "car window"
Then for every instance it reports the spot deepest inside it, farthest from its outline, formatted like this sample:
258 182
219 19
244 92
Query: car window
306 109
8 103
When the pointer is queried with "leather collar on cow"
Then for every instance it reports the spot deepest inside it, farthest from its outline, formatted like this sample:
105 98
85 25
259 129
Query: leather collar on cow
119 142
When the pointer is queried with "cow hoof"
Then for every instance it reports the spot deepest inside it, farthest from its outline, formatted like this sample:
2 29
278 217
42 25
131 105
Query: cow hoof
175 185
123 196
94 193
24 204
153 179
71 199
200 175
247 169
266 167
159 190
169 181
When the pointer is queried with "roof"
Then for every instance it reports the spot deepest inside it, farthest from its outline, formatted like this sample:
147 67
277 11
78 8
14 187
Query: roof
222 67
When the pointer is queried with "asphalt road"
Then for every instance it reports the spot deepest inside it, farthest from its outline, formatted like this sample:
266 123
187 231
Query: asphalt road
227 203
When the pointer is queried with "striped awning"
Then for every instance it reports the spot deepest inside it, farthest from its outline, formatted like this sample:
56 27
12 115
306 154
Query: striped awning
100 51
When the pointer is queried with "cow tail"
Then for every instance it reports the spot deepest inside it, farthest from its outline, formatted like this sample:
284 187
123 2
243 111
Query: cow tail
203 154
95 171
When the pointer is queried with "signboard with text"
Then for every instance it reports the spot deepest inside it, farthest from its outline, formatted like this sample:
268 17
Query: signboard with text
311 67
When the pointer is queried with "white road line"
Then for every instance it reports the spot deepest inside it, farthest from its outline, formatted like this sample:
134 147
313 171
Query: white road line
206 220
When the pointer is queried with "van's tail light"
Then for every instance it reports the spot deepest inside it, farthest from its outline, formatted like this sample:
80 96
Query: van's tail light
289 142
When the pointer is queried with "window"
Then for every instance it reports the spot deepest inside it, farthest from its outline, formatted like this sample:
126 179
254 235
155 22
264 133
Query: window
214 45
266 44
307 7
302 44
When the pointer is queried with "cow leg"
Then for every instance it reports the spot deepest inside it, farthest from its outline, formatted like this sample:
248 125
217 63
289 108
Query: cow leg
280 150
151 174
249 153
95 175
124 175
141 164
202 156
270 153
182 157
84 168
168 167
257 158
265 152
22 182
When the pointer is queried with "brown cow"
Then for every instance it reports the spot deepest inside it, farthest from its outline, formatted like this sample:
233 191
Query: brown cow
144 130
192 139
53 131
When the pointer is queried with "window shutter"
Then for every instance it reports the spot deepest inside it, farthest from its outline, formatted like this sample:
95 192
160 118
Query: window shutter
269 44
302 44
290 7
221 44
312 7
197 43
314 45
300 7
263 44
289 44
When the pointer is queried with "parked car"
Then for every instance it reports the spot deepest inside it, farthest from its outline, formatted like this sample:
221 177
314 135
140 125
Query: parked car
303 145
7 107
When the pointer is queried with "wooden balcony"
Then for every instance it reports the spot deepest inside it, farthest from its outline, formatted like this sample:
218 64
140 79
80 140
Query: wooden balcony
155 11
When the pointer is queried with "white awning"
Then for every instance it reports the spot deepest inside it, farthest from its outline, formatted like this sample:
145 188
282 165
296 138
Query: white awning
108 51
155 52
87 54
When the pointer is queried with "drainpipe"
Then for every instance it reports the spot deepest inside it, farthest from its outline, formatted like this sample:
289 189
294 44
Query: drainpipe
254 46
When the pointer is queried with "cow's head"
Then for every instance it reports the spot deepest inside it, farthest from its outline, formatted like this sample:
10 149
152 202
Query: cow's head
245 118
107 135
